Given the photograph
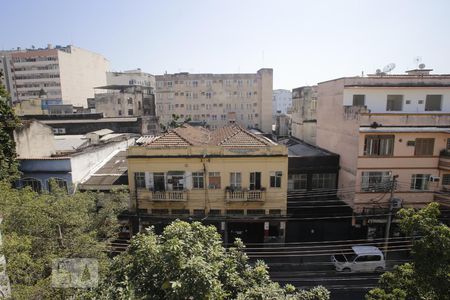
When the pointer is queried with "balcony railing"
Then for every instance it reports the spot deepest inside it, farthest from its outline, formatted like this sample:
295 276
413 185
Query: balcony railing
241 195
163 195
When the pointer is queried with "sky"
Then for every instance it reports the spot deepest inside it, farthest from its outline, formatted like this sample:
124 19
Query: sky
305 42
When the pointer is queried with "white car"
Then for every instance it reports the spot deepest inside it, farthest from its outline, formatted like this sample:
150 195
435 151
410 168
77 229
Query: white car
363 259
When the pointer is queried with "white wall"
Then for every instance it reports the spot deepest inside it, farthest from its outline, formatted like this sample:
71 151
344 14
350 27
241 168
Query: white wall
85 162
376 98
34 140
80 72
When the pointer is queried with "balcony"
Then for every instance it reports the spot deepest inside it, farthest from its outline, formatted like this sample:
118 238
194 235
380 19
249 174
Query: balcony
177 196
444 160
243 195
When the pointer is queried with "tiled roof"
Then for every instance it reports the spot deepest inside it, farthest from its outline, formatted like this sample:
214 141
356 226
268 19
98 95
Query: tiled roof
229 136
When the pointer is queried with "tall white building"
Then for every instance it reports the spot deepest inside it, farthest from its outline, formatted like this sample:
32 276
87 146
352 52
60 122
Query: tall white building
64 73
281 101
217 99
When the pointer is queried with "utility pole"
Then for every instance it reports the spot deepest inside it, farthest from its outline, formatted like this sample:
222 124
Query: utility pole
389 220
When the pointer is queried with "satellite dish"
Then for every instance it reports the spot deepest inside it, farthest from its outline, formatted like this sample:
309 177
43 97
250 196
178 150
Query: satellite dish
389 68
422 66
378 71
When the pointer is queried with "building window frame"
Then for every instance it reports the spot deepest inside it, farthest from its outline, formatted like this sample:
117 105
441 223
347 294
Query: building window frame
379 145
359 100
420 182
297 182
275 179
424 146
198 180
214 180
433 103
323 181
139 179
255 181
375 181
235 180
394 103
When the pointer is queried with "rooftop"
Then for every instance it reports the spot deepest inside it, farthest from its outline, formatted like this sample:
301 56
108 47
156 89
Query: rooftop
112 173
298 148
230 136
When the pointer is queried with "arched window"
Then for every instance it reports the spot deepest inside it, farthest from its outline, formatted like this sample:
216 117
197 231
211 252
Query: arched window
35 184
60 183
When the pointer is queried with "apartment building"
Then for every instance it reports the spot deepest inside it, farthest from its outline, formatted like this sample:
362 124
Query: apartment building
127 101
130 77
281 101
217 99
229 177
303 113
68 73
385 125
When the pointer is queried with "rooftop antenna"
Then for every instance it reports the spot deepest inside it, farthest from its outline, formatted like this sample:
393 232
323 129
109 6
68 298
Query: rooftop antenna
421 66
417 61
388 68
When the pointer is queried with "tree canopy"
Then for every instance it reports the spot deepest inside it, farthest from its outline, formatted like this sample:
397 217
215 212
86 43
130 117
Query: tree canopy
38 228
8 123
188 261
428 275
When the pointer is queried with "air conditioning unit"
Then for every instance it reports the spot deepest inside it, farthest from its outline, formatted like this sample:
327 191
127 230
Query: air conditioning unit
434 178
397 203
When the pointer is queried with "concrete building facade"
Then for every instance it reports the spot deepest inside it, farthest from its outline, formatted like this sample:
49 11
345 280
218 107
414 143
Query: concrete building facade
68 73
128 101
281 101
236 178
386 125
303 113
217 99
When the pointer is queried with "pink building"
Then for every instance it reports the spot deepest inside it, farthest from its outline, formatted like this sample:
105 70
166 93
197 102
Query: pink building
385 125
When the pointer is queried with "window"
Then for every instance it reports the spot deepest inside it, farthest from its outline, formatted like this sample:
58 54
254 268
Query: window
199 212
130 100
214 180
215 212
359 100
375 181
180 211
394 102
448 144
323 181
275 179
120 112
208 95
130 112
198 180
379 145
175 180
235 180
235 211
139 178
255 181
433 103
424 147
119 101
297 182
35 184
57 182
419 182
275 212
159 184
446 179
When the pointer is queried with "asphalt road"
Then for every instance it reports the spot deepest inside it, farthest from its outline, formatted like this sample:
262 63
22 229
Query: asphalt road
341 285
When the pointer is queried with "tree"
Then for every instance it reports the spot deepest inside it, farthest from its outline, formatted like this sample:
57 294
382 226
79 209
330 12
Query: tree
8 123
174 123
38 228
427 276
188 261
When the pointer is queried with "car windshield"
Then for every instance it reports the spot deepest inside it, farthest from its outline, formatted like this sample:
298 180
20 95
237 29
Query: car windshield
340 257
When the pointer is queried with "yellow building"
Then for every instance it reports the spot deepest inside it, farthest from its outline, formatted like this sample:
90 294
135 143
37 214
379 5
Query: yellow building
228 177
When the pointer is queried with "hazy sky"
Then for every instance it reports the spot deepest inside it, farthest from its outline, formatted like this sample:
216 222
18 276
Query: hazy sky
305 42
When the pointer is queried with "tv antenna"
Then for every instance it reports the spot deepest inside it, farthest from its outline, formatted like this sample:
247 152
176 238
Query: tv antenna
389 68
417 61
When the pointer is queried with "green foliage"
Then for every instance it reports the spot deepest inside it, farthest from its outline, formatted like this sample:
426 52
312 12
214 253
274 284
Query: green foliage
428 276
8 123
38 228
188 261
174 123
